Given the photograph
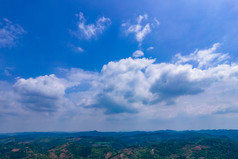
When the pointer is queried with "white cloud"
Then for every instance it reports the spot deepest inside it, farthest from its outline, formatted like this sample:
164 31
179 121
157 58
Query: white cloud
131 85
80 49
43 93
9 33
88 31
203 58
76 75
138 53
139 29
46 85
150 48
76 48
140 87
142 83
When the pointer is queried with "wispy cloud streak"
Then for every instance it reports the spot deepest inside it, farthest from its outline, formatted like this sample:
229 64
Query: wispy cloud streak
9 33
87 31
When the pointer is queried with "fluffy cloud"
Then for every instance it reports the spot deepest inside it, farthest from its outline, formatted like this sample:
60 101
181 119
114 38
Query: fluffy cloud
88 31
139 29
123 82
43 93
203 58
49 86
198 84
9 33
137 84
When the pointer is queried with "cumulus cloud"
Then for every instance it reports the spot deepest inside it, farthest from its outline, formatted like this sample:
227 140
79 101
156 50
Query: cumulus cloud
88 31
142 83
139 29
188 86
42 93
138 53
46 85
9 33
124 82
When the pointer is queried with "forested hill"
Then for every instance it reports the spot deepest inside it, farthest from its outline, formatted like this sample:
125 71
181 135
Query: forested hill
113 145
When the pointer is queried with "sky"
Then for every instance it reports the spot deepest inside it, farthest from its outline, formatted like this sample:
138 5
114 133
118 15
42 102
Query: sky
118 65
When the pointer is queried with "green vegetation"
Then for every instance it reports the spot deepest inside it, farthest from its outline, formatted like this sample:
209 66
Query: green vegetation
142 145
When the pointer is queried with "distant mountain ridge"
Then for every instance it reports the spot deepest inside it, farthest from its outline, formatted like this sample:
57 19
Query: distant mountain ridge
216 132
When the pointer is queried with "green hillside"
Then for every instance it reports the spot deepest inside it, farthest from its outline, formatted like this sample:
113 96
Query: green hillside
124 145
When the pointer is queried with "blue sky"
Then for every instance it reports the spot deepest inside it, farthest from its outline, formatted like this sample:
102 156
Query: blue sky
118 65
